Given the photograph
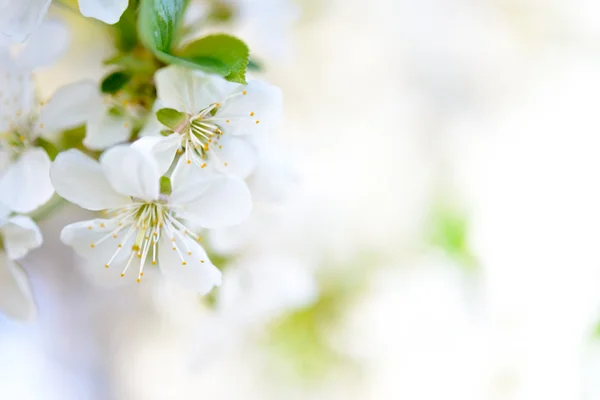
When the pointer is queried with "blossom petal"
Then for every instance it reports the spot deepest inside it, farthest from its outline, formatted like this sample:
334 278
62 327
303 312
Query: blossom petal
19 18
259 110
212 200
45 46
18 97
16 298
108 11
4 213
80 180
236 156
162 148
104 130
20 234
131 172
190 91
26 184
95 241
187 265
70 106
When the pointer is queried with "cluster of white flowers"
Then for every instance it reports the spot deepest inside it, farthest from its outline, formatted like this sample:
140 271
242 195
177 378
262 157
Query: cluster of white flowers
156 184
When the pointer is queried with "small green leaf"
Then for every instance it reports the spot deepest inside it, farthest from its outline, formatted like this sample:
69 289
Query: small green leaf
165 185
221 54
115 82
171 118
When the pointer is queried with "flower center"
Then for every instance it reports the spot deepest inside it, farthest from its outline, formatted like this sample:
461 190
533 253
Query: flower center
205 130
144 224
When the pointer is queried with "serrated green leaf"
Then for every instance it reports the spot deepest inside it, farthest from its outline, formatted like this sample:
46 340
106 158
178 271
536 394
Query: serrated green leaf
115 82
171 118
165 185
221 54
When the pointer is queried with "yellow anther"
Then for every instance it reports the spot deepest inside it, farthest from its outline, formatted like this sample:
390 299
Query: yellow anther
119 245
189 162
227 120
102 225
202 261
153 262
105 265
244 93
257 122
252 114
92 245
183 263
122 275
189 253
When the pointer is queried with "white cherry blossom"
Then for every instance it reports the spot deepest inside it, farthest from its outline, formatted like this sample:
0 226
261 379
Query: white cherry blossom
24 167
19 18
142 225
18 234
223 118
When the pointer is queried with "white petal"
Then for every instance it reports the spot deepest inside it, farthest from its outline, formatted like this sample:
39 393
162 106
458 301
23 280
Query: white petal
4 213
70 106
152 126
262 103
162 148
236 155
26 184
20 234
16 298
45 46
104 130
18 18
190 91
17 96
131 172
198 273
85 238
108 11
80 180
210 200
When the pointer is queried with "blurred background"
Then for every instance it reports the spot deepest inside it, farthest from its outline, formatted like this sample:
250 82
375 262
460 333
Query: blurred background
437 234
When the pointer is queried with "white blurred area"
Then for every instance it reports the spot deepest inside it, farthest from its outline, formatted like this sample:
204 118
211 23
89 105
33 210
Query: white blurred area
390 105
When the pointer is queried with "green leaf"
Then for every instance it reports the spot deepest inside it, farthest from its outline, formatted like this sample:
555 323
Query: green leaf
158 21
158 24
165 185
115 82
221 54
171 118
